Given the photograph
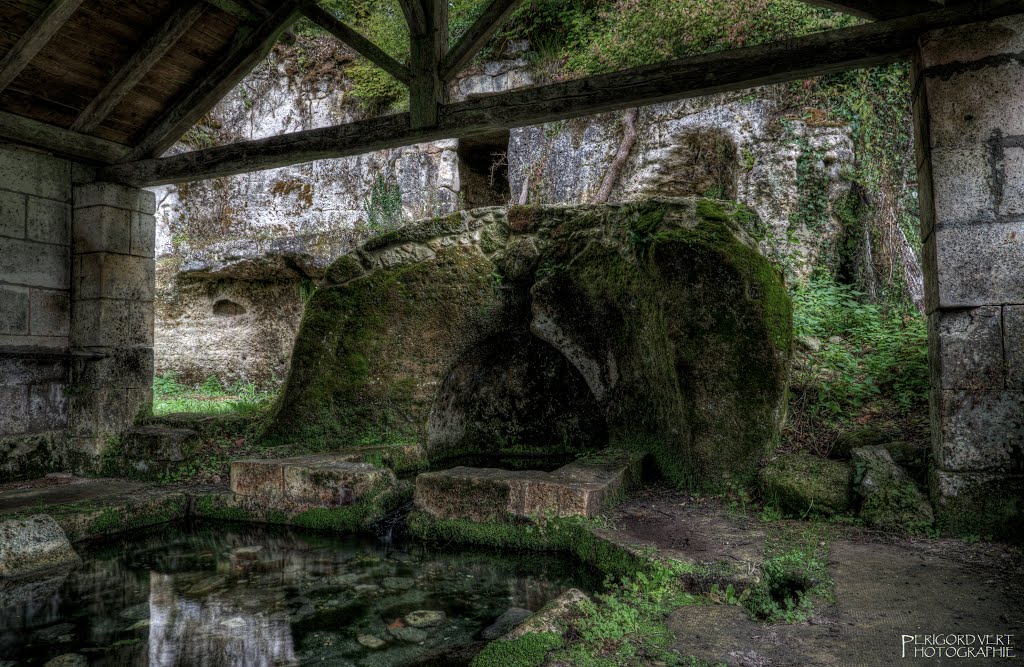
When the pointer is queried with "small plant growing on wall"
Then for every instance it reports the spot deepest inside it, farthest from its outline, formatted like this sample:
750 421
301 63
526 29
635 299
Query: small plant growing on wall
383 206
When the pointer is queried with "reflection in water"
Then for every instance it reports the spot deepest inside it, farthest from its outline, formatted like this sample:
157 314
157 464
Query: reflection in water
241 594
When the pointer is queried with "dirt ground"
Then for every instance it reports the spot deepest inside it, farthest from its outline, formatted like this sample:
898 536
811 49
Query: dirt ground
885 588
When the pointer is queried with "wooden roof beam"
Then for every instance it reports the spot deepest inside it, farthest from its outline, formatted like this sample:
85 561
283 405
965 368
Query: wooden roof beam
428 45
243 55
880 10
156 47
35 38
482 29
57 140
364 47
812 55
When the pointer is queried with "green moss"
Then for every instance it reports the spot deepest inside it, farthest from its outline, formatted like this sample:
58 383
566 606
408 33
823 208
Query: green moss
802 484
530 650
419 232
344 269
712 211
109 521
121 518
361 362
219 506
573 535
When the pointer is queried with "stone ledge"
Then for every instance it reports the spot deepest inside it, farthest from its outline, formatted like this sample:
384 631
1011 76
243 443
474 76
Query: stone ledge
584 488
318 480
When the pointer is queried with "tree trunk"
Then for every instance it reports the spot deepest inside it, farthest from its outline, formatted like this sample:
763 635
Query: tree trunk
611 177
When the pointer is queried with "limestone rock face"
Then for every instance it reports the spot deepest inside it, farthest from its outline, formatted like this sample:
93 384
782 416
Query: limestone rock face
31 544
729 145
254 241
661 322
889 498
806 484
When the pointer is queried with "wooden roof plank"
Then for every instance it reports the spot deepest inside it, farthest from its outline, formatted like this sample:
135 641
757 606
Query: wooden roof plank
32 42
176 25
813 55
241 58
879 10
474 39
364 47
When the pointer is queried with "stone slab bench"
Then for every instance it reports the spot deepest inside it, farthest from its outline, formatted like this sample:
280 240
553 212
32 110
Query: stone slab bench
318 480
583 488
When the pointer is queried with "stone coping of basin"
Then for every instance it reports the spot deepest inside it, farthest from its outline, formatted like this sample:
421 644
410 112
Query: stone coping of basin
325 480
583 488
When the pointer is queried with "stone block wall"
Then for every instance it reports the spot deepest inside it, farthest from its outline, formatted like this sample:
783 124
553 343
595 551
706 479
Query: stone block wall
35 301
114 281
969 117
76 312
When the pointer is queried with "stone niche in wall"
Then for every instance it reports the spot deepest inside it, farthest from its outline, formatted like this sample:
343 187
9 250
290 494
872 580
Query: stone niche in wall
544 332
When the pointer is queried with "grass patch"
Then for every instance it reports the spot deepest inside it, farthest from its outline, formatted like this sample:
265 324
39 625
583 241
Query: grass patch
211 397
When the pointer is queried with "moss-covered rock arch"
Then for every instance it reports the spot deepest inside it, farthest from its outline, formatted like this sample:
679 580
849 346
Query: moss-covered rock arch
667 313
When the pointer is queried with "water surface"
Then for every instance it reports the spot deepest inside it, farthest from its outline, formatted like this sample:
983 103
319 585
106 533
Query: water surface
246 594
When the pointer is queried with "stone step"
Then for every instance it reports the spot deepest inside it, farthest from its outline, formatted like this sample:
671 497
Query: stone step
318 480
583 488
160 443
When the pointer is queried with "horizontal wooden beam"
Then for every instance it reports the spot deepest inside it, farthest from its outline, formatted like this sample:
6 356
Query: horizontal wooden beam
813 55
474 39
242 56
59 141
35 38
156 47
879 10
364 47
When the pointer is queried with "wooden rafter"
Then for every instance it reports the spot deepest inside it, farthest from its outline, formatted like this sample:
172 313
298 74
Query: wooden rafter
177 24
427 49
414 15
364 47
879 10
243 9
243 55
477 35
813 55
60 141
32 42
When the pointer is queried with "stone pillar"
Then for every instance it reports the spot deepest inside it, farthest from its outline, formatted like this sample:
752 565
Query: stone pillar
113 282
969 119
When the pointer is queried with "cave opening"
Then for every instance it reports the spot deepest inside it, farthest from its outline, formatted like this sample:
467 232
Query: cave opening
514 398
483 170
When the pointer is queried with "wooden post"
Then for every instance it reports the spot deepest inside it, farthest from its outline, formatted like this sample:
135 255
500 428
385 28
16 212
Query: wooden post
428 47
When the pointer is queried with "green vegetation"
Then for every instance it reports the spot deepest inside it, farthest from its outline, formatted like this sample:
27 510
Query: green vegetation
574 535
530 650
794 573
211 397
861 362
383 206
625 624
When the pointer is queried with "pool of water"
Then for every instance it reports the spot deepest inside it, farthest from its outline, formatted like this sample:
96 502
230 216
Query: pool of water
253 595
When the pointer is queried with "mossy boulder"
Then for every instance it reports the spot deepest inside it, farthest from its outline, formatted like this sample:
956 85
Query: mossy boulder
863 436
801 484
889 499
655 326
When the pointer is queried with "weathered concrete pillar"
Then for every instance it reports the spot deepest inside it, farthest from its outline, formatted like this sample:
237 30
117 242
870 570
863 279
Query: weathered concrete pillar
113 282
969 117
